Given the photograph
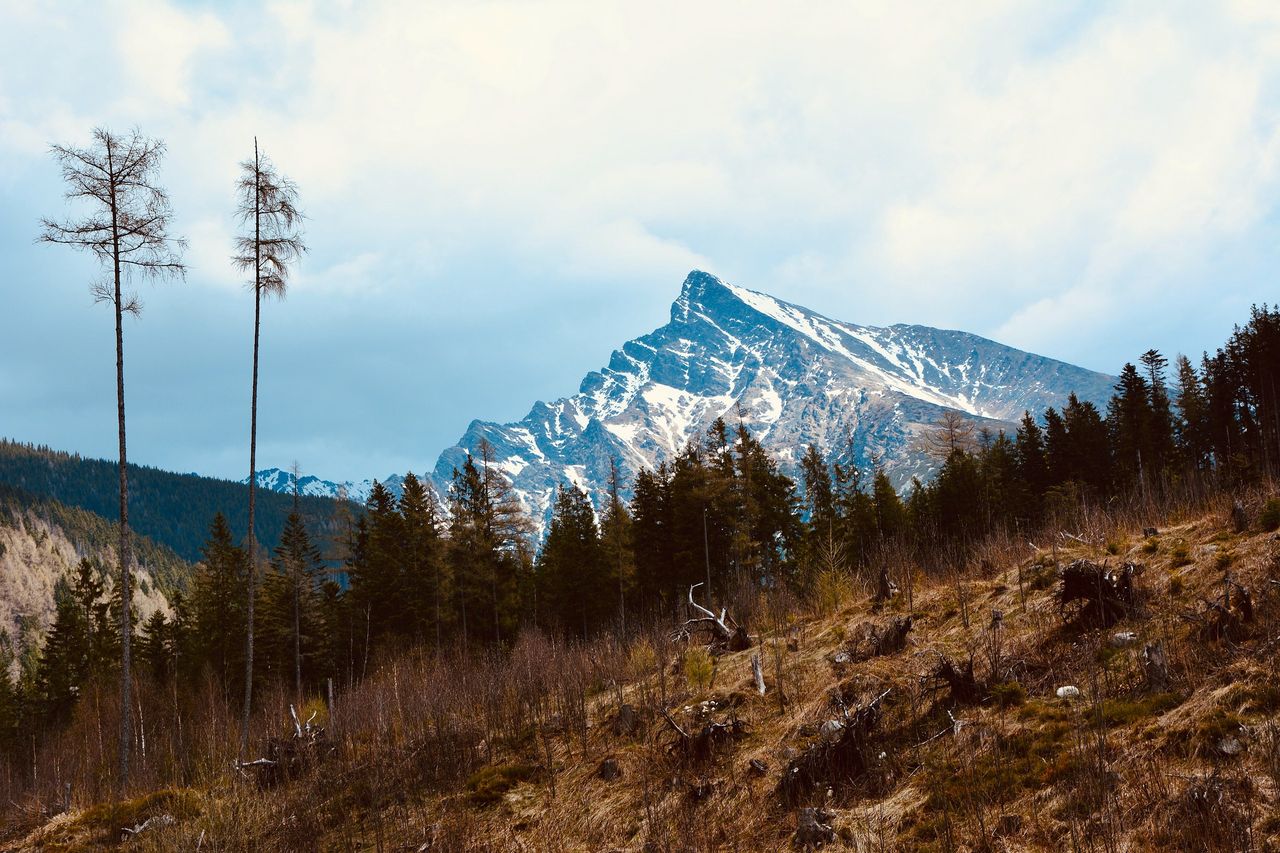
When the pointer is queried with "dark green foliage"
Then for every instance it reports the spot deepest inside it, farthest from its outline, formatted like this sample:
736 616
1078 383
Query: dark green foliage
1269 518
572 577
216 605
82 642
170 509
289 619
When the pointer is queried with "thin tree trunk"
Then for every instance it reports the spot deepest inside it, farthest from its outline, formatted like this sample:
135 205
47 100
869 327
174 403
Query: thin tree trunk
125 552
253 454
297 636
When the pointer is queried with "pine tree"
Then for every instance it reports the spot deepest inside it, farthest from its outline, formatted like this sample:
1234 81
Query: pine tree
889 515
426 581
1089 448
82 642
1060 465
1033 468
155 646
616 544
1161 429
1192 431
297 564
376 570
10 699
1129 421
652 536
571 567
216 605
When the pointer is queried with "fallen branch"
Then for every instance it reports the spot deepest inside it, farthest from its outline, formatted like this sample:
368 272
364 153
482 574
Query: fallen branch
733 638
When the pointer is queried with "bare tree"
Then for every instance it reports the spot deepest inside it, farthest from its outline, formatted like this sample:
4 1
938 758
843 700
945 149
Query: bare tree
270 243
127 230
951 432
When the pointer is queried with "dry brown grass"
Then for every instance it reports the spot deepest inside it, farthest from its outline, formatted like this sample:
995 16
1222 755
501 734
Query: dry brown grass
501 752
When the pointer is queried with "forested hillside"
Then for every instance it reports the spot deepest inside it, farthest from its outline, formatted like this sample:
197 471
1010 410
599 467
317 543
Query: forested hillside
168 508
43 544
93 534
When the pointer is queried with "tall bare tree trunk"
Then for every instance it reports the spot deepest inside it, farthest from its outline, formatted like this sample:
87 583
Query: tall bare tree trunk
297 638
253 460
125 552
129 227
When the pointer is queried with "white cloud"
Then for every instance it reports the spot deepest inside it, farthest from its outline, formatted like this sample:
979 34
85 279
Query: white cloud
1038 173
158 43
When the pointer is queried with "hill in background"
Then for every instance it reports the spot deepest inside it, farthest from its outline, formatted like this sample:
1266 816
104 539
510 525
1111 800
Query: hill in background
170 509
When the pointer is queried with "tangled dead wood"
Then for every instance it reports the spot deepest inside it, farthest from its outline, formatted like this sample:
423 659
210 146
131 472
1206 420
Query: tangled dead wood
840 758
701 745
1094 594
288 756
1227 617
963 684
725 633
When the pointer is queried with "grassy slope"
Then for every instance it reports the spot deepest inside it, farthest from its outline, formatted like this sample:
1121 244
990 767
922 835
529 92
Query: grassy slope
1116 769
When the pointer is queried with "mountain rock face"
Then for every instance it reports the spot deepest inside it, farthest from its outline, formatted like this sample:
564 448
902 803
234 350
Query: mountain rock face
792 376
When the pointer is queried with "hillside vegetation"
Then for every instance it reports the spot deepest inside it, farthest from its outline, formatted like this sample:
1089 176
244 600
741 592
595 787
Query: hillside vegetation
168 508
520 751
42 540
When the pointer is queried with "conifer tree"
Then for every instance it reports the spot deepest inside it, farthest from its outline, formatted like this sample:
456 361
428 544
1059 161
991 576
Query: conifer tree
10 699
1089 450
297 566
616 544
1161 429
217 603
155 646
82 640
652 536
1129 420
571 567
1033 468
425 572
377 581
1059 464
1192 427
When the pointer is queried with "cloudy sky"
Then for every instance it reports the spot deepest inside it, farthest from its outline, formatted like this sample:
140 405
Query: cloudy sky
500 193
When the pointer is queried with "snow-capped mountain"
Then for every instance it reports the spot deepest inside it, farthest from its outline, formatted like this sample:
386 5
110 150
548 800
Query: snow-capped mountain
793 376
276 480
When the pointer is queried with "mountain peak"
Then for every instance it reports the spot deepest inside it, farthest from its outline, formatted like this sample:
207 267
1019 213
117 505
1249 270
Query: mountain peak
701 293
793 376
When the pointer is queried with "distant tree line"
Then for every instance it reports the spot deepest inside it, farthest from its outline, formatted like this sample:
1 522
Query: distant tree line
169 509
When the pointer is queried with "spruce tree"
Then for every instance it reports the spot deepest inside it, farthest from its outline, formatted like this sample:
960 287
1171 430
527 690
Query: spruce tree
1192 431
297 564
216 603
425 572
616 544
1033 468
571 569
